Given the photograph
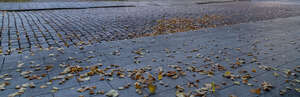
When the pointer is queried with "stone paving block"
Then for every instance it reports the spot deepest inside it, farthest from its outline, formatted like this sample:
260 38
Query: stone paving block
67 84
2 58
273 60
171 83
118 61
17 79
276 91
38 92
11 61
268 77
218 80
70 92
116 83
131 92
44 95
244 90
289 65
120 82
7 92
240 91
172 92
73 91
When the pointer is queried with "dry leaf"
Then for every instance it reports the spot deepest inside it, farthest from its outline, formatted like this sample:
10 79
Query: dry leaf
231 95
152 88
282 92
180 94
253 70
112 93
213 87
227 74
160 76
275 74
54 89
256 91
7 79
266 86
236 83
137 85
43 86
2 86
298 90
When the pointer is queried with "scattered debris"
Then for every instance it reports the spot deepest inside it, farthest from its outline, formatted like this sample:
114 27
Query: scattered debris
112 93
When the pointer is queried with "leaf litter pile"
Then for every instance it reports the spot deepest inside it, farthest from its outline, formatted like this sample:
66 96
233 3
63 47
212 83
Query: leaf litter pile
180 24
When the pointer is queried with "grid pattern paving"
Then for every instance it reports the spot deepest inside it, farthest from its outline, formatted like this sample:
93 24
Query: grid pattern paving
207 49
31 30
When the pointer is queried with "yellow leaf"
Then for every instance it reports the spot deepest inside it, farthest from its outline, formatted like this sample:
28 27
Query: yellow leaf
160 76
227 74
275 74
59 35
213 87
152 88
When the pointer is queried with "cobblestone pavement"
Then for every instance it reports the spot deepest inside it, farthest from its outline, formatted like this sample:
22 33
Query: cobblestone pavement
30 30
84 4
242 60
85 52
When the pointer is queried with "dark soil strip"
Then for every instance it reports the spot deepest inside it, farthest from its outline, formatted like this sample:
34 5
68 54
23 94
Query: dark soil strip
117 6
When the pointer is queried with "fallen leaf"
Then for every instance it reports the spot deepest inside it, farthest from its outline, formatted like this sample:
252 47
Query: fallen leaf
180 94
282 92
227 74
297 89
137 85
275 74
54 89
152 88
236 83
213 87
231 95
112 93
266 86
256 91
160 76
253 70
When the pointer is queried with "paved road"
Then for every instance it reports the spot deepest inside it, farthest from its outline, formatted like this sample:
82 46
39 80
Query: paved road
262 57
33 30
85 52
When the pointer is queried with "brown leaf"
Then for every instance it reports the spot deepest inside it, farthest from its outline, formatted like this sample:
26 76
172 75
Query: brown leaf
256 91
